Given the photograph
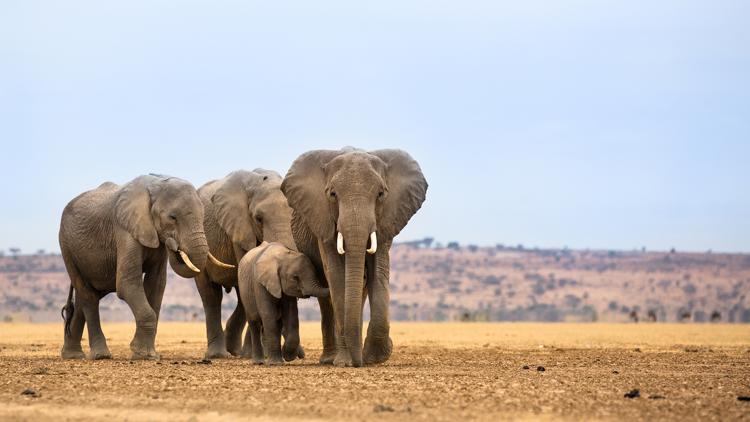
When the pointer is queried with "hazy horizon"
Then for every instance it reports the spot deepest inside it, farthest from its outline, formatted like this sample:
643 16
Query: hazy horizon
583 124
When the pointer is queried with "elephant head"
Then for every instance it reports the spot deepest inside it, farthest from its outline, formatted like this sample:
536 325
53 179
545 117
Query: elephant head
159 209
358 201
281 270
250 209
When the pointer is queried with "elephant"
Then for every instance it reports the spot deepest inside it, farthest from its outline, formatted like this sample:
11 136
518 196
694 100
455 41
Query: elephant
242 210
109 237
271 277
348 205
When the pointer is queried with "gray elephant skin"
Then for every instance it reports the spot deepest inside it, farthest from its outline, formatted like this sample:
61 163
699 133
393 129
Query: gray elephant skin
242 210
110 237
347 207
271 279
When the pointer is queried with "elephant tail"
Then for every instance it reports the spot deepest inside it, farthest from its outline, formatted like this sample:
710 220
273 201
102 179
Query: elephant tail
67 311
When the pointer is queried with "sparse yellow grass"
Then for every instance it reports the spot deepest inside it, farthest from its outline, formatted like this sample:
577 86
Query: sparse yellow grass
516 336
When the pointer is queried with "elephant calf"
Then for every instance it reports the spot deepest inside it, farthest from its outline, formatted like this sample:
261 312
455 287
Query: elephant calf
271 277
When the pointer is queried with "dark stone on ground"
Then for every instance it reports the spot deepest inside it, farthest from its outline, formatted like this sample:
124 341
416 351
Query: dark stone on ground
633 394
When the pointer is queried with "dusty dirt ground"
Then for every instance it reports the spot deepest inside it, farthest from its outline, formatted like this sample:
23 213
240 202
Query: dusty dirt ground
446 371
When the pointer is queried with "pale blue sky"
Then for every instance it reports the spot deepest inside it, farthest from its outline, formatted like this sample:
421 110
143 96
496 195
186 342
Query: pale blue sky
601 124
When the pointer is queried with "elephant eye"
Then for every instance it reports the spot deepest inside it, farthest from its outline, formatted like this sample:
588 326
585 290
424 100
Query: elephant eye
333 194
172 217
380 194
259 219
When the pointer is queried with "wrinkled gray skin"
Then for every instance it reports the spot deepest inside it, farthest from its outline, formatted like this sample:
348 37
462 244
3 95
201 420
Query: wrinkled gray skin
241 210
354 193
110 237
271 278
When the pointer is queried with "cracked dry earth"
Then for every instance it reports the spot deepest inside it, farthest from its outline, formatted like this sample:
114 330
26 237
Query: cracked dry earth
438 371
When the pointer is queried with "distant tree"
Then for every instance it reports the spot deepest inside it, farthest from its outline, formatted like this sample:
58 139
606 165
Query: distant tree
473 248
672 250
634 316
427 241
572 301
40 252
715 316
684 315
689 288
499 246
652 315
14 251
612 306
454 245
519 247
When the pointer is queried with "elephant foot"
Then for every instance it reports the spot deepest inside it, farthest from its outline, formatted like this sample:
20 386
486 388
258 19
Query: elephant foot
290 356
143 353
300 352
72 353
343 359
235 351
377 351
145 356
277 361
258 361
216 352
100 354
327 357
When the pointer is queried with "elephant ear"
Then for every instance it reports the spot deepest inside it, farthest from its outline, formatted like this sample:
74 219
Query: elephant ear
231 201
407 188
133 212
266 270
304 187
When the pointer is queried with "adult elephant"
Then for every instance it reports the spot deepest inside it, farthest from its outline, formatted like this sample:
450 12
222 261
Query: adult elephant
241 211
348 206
109 237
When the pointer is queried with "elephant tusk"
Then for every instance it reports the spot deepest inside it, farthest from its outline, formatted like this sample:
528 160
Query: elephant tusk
340 244
373 243
188 262
219 263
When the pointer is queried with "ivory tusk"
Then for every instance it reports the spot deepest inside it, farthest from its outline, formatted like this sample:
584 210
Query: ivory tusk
340 244
373 243
188 262
219 263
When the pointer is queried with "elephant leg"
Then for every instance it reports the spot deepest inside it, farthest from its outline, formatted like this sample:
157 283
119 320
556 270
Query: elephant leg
328 327
97 342
272 341
72 344
300 349
72 339
256 345
142 344
333 266
211 296
290 330
378 344
153 284
235 326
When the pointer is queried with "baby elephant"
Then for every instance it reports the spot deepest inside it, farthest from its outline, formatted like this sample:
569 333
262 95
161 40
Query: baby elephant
271 277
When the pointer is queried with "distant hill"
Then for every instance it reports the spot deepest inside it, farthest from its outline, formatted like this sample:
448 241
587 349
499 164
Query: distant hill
466 283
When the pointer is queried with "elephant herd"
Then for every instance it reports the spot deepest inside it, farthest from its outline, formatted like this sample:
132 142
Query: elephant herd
323 230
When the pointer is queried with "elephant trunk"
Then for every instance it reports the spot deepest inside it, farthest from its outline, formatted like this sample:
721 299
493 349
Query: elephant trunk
280 233
191 254
353 291
312 287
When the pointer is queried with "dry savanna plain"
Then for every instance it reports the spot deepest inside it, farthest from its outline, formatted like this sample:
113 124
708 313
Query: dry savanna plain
438 371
